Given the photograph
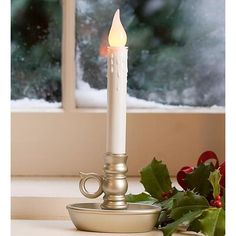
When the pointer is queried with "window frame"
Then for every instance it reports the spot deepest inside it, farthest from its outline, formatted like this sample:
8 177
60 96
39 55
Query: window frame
62 142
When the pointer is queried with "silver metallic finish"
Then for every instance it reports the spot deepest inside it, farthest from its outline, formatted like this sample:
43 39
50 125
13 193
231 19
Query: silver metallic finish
82 184
114 214
114 183
136 218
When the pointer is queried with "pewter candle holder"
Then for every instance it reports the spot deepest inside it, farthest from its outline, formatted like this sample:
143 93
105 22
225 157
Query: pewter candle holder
114 214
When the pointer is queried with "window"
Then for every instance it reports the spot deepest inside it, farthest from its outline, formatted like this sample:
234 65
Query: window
68 140
176 51
36 53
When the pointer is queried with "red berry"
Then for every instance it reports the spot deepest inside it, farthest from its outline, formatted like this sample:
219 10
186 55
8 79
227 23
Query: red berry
163 194
166 195
218 198
218 204
212 203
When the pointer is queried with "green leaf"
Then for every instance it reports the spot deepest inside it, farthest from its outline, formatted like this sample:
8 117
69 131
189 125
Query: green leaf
168 204
189 217
188 202
163 219
166 207
210 223
198 179
214 179
156 179
142 197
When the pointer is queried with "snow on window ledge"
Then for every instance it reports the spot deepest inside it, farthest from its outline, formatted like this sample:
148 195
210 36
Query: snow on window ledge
87 97
31 104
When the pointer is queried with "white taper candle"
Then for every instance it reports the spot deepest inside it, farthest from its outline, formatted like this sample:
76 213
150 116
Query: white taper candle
117 88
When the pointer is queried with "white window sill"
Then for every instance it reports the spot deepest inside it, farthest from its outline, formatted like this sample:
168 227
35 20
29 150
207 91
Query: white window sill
67 187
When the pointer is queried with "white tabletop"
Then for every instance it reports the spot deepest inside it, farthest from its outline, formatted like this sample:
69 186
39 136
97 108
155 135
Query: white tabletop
64 228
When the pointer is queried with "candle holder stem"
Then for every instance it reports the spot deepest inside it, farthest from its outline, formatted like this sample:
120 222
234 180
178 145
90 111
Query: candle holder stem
114 184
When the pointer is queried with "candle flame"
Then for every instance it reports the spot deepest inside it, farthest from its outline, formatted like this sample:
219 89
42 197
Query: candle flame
117 36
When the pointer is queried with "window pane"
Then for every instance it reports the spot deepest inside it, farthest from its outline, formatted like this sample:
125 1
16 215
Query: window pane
36 53
176 51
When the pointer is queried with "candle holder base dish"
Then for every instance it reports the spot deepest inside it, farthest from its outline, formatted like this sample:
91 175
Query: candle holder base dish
137 218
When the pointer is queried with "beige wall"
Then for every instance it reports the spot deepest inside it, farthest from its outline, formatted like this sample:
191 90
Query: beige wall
59 143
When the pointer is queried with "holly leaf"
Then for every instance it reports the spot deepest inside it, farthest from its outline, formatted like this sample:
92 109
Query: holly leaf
166 207
198 179
211 222
142 197
156 179
188 202
214 179
163 219
168 204
187 218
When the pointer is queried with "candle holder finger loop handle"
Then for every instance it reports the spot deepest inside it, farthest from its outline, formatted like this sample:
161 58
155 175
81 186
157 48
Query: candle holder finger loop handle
82 184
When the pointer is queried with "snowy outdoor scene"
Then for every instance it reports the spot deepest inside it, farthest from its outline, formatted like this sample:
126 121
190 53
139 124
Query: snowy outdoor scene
176 53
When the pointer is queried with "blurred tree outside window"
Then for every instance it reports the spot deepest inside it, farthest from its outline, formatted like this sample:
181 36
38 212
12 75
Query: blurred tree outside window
176 51
36 28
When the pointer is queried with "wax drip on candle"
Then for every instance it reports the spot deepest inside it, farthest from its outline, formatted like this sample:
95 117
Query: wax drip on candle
112 63
117 35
